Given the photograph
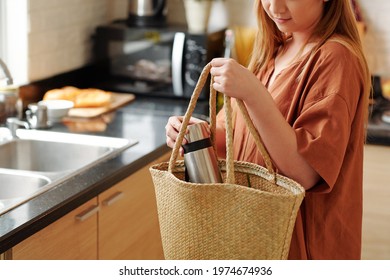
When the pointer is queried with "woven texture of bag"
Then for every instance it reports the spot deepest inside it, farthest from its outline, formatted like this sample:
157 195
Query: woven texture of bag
249 216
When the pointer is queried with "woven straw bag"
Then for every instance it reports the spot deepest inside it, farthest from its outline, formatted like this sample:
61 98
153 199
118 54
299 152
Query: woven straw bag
249 216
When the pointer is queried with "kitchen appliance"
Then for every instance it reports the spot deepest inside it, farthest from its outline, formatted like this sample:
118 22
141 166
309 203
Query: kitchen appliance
200 159
38 115
164 61
378 129
147 13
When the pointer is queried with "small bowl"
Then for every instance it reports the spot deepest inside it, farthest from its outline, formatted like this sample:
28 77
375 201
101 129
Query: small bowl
57 109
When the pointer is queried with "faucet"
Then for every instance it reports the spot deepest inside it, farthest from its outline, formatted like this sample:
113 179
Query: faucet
36 115
14 123
6 72
36 119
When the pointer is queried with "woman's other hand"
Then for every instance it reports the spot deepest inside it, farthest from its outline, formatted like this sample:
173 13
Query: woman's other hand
173 127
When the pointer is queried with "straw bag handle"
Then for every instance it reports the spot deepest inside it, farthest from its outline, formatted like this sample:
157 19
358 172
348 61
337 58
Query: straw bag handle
229 128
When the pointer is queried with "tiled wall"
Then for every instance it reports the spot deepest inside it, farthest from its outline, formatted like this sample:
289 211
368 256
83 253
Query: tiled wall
60 34
60 31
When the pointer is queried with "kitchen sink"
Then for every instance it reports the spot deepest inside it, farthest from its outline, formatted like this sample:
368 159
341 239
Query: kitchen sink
16 185
37 160
47 156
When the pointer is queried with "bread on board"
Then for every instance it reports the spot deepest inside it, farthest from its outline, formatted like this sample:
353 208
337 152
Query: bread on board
81 98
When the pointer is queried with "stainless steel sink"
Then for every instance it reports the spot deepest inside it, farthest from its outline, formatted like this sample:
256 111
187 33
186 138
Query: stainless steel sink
37 160
47 156
16 184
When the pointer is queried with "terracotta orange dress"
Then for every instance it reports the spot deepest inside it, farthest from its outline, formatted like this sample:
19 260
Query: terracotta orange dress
325 106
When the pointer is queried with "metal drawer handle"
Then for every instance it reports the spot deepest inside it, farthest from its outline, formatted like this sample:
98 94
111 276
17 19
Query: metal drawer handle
113 198
87 213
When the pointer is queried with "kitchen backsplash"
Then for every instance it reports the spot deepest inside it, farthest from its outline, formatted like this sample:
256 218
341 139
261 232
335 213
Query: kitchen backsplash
60 34
60 31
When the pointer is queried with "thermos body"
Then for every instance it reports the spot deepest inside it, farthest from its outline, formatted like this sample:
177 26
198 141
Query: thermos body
200 160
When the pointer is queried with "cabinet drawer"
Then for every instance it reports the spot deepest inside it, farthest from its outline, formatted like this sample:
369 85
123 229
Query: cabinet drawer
74 236
128 221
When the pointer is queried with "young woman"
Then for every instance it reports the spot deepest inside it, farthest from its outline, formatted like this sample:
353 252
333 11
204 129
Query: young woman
307 91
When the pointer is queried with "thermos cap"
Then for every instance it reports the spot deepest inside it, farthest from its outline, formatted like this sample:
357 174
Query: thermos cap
197 131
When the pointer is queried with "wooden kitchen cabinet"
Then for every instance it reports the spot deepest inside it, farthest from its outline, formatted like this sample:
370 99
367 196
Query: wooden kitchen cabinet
128 222
74 236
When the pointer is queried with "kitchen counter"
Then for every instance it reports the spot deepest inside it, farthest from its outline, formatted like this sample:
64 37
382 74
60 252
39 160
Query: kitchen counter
143 120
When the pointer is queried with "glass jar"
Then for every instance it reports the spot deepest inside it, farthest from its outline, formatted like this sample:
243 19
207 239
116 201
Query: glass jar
9 102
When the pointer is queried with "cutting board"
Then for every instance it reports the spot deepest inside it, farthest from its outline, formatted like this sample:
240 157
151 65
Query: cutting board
118 100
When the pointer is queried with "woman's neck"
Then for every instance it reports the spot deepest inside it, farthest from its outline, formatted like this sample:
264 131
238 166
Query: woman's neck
294 49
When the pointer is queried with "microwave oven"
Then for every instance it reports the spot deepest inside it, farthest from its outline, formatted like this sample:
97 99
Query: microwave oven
155 61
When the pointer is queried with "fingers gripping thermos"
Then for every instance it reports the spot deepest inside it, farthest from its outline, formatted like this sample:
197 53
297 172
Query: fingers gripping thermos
200 159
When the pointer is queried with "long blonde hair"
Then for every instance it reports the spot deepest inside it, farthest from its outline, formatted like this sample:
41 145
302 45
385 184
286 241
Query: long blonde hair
338 23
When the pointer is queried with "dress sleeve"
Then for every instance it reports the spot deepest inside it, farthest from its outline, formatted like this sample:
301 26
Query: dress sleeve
322 136
323 125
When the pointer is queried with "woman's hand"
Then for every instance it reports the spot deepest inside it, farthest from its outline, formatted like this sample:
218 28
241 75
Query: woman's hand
173 127
234 80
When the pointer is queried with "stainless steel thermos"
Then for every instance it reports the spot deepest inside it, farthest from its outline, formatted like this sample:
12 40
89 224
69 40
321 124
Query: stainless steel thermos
200 160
